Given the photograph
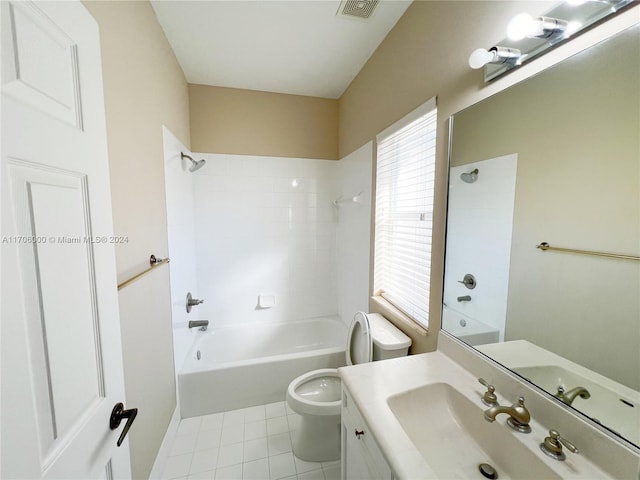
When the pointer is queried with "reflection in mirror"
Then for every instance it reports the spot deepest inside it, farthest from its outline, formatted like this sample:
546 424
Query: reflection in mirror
558 161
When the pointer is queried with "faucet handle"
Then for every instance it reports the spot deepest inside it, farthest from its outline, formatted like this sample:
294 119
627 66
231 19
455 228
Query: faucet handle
489 398
552 445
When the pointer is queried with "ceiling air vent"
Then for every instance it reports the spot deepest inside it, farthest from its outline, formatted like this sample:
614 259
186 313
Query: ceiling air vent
357 8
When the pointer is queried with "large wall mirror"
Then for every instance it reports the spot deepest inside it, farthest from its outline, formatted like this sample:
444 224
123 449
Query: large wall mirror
556 160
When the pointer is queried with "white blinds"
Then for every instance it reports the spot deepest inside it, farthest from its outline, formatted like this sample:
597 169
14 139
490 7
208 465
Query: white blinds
404 212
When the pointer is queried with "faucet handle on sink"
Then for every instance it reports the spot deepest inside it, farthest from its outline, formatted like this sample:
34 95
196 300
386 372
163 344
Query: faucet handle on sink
552 445
489 398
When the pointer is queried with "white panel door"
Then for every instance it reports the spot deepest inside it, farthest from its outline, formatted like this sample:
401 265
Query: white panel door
60 332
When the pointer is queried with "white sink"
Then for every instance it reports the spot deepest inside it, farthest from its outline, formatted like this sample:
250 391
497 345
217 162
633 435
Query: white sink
614 409
451 434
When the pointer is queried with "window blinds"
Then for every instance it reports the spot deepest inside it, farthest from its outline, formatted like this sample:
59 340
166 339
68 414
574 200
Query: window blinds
404 212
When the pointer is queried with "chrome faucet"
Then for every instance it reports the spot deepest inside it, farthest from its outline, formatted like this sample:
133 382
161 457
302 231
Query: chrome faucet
519 416
570 396
203 324
464 298
192 302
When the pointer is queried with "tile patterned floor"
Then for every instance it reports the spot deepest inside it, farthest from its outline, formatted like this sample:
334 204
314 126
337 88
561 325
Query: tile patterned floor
248 444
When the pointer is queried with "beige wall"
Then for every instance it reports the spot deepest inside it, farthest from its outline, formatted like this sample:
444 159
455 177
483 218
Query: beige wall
144 88
425 55
247 122
577 187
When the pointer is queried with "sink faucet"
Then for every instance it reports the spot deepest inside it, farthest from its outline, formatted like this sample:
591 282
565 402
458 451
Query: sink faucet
570 396
203 324
519 416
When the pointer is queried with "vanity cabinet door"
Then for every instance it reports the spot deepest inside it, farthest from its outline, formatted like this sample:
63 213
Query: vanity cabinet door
361 457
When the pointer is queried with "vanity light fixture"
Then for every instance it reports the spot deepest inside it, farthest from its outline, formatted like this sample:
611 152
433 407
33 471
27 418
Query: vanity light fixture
526 26
534 35
480 56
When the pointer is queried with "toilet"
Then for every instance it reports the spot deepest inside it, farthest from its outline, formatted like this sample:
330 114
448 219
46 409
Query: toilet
316 395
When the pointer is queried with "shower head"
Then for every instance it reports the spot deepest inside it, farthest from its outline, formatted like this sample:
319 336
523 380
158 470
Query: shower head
469 177
195 165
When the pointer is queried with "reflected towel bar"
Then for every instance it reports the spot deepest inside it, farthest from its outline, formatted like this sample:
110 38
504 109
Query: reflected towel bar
545 246
153 262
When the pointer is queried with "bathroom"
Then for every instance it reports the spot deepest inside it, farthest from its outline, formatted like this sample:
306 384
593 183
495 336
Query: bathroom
148 100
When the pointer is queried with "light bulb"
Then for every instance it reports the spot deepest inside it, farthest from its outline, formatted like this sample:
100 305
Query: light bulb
520 27
479 58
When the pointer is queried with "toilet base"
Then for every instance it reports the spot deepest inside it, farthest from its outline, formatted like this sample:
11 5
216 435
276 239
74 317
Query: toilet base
317 439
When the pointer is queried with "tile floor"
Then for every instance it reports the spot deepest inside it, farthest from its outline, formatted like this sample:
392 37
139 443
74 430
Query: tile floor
250 443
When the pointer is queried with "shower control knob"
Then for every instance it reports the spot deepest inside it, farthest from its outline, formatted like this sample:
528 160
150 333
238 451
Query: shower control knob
468 281
359 433
192 302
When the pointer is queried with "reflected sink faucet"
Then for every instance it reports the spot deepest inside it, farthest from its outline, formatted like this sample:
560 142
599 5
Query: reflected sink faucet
519 416
570 396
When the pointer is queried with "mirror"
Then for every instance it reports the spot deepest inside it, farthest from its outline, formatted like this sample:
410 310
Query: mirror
555 159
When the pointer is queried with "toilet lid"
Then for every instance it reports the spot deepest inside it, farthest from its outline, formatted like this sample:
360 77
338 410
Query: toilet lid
359 342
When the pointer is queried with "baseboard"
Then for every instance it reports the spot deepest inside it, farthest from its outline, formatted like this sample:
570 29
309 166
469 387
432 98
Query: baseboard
165 446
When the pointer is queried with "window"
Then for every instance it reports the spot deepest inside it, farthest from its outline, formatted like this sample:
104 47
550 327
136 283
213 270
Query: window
404 212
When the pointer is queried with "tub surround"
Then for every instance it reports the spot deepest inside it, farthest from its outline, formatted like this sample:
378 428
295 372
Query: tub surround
371 385
269 225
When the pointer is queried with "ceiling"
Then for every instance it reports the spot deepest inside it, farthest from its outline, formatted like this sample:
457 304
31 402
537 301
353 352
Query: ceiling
298 47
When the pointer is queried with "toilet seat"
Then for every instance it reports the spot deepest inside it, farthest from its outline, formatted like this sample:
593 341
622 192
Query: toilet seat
316 393
359 341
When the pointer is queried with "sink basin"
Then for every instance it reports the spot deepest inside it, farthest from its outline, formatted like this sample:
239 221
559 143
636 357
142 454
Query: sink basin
451 434
615 409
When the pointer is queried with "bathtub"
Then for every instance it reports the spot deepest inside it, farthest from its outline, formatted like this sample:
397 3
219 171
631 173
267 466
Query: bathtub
251 364
469 330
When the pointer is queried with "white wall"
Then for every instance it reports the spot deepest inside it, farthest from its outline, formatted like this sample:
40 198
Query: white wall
353 231
479 227
181 232
242 226
265 225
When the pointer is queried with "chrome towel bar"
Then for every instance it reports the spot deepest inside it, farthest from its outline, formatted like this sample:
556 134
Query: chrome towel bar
545 246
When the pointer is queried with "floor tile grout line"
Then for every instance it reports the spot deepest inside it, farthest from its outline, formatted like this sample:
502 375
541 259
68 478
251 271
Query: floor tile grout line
278 407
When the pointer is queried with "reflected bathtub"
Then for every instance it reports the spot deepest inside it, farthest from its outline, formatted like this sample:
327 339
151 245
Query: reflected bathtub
469 330
251 364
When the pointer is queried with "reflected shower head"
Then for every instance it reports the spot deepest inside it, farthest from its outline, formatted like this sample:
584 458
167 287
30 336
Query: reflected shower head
469 177
195 165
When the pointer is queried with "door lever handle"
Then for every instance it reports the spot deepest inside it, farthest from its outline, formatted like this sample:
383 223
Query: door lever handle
117 415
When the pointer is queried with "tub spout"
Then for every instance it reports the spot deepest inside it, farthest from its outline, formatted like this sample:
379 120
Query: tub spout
203 324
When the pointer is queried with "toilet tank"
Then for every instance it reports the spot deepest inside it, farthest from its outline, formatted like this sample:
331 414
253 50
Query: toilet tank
388 340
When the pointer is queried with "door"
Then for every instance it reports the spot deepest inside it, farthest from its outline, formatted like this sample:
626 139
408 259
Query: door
61 357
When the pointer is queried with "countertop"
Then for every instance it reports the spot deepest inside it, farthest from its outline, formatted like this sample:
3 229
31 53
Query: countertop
371 384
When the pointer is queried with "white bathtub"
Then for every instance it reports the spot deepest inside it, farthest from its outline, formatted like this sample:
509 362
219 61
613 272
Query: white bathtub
469 330
252 364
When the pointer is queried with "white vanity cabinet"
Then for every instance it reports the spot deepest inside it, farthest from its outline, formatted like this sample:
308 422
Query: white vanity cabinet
361 456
